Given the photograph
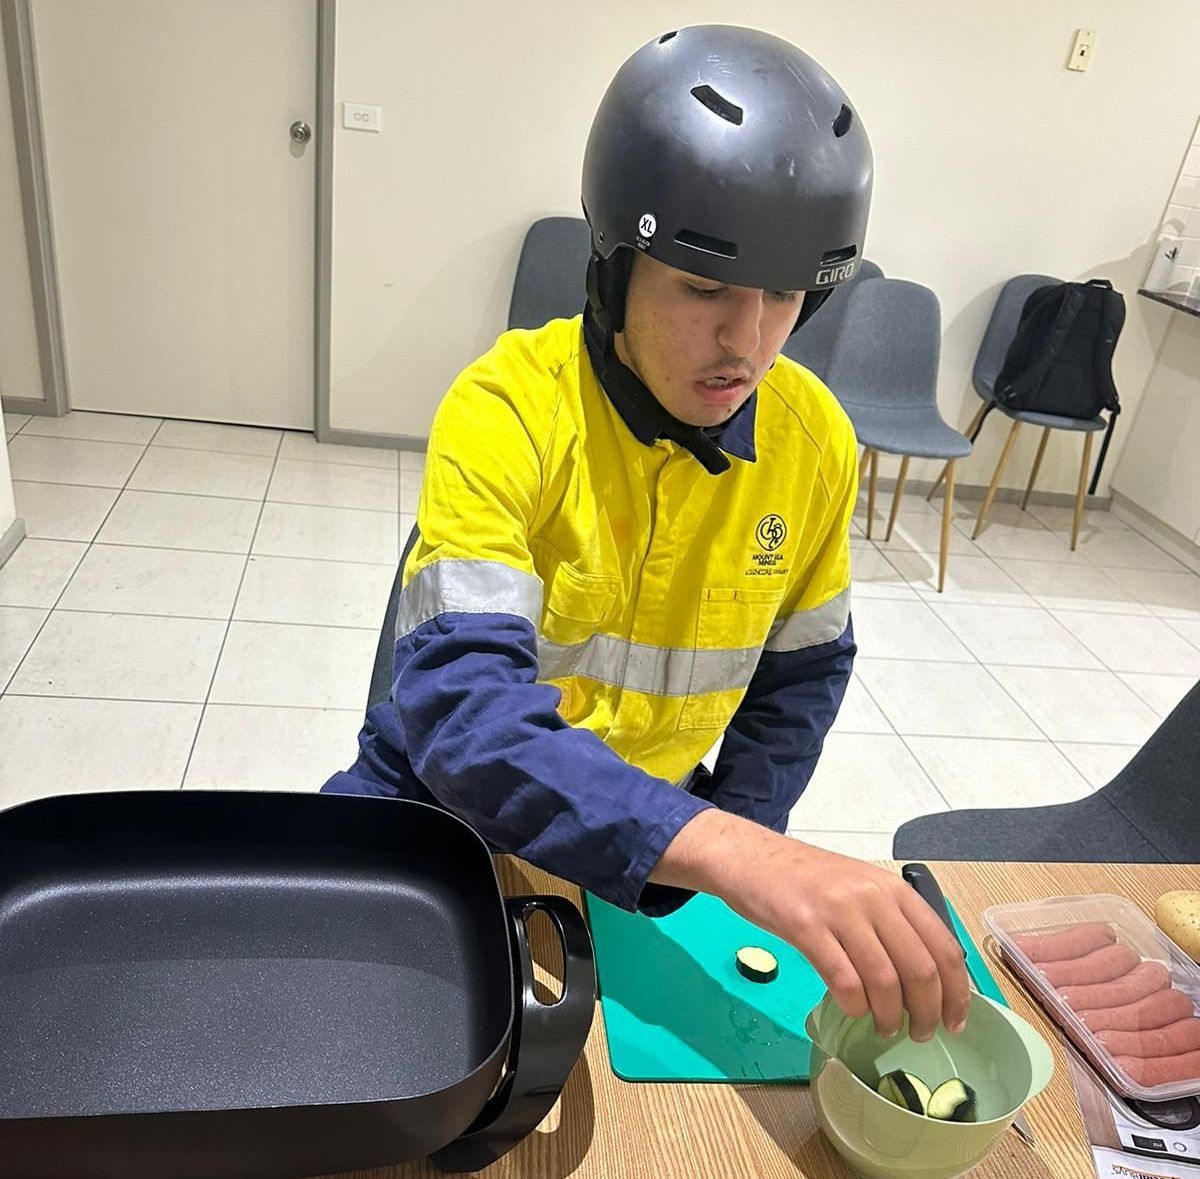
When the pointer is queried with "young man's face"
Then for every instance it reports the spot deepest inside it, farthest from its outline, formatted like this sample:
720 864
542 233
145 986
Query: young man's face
681 329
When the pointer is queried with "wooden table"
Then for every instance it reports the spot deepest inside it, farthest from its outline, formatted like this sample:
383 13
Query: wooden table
608 1129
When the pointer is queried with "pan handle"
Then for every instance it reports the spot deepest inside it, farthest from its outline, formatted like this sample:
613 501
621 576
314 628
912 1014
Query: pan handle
547 1039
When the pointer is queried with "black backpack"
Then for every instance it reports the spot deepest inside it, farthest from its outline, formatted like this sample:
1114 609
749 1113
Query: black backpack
1060 360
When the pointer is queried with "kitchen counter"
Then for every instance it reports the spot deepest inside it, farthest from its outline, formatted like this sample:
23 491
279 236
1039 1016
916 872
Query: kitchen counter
605 1128
1187 303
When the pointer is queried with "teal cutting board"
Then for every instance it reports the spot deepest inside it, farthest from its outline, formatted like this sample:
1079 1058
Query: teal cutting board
676 1009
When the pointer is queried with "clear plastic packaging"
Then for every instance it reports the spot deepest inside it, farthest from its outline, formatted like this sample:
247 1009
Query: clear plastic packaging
1131 928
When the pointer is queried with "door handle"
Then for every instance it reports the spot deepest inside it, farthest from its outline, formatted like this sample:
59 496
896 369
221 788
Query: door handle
300 131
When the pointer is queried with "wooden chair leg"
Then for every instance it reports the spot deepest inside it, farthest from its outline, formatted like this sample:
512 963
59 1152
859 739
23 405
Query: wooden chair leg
896 496
1037 466
947 516
1083 470
991 491
874 467
970 434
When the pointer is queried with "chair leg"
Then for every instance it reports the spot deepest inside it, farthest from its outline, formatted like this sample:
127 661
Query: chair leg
1037 466
971 431
896 496
874 473
1083 470
947 516
991 491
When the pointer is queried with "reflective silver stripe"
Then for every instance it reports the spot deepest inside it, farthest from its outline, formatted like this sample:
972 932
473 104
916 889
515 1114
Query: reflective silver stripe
658 671
811 628
468 587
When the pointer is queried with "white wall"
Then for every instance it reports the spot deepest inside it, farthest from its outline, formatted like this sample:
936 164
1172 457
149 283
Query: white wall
20 368
991 159
1160 467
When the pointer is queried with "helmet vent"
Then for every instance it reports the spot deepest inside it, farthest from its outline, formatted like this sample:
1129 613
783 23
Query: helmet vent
836 257
667 36
709 245
719 104
843 122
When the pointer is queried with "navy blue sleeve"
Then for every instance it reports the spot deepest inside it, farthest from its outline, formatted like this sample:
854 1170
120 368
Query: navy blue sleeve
489 744
772 744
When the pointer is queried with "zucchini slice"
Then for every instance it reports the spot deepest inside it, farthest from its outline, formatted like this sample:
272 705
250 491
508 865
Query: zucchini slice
905 1090
757 964
953 1101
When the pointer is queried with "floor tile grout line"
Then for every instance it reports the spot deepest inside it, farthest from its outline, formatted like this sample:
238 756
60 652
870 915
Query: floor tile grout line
204 617
190 703
82 558
162 548
187 765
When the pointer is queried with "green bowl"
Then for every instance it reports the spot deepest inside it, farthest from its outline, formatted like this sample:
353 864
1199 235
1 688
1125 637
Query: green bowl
999 1055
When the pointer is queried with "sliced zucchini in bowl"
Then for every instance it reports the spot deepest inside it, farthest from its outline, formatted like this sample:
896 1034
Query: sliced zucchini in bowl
905 1090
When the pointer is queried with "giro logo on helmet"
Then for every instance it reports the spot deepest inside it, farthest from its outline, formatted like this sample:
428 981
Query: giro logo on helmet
647 225
832 274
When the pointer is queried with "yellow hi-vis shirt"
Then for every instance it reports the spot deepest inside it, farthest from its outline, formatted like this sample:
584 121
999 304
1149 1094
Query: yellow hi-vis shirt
573 586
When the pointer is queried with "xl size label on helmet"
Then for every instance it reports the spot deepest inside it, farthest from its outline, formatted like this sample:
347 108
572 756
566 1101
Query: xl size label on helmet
647 224
832 274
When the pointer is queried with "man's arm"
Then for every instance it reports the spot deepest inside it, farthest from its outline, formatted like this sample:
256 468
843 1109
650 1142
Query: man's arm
878 946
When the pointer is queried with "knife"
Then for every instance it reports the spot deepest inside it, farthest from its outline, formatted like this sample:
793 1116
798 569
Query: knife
928 889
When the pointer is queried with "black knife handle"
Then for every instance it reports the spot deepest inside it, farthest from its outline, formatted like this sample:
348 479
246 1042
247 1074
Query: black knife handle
928 889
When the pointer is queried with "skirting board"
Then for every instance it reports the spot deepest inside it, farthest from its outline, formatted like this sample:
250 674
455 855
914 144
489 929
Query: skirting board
13 535
1012 495
1175 543
30 405
383 441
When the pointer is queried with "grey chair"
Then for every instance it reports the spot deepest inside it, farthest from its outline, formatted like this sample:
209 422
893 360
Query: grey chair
812 344
385 648
1002 326
551 279
1149 813
883 370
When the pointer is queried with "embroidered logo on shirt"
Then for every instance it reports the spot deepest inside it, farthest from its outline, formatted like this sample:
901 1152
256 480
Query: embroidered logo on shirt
771 532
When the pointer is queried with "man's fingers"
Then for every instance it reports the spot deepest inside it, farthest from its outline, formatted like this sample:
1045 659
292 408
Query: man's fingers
878 976
943 947
920 979
831 962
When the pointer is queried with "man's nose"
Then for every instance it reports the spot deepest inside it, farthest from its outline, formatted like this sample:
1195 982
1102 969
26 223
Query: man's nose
741 328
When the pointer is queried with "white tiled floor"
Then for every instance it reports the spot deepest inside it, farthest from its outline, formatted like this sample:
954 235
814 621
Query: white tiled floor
198 605
194 603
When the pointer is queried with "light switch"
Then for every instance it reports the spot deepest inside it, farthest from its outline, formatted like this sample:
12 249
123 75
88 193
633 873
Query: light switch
1082 50
357 117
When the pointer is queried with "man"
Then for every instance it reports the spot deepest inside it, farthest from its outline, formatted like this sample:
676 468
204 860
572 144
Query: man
633 538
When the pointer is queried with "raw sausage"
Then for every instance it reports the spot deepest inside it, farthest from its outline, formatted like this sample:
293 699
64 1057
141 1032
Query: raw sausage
1161 1070
1072 942
1181 1036
1099 966
1144 979
1154 1011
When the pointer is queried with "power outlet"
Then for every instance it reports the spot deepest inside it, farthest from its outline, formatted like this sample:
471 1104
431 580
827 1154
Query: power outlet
1082 50
357 117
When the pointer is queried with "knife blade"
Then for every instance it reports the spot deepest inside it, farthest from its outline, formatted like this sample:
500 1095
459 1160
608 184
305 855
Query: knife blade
927 888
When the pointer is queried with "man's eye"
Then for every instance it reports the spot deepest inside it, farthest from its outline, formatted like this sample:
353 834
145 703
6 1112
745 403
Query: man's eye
786 296
706 292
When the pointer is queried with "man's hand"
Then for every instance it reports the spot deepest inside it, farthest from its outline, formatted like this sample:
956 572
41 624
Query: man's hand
878 946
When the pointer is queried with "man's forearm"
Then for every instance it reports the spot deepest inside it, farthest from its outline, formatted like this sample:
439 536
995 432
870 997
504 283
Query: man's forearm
711 852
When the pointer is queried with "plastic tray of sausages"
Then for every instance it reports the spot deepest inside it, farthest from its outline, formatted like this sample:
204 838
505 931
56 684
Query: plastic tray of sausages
1126 995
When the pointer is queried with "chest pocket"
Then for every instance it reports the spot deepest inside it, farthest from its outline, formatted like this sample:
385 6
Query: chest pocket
731 627
576 604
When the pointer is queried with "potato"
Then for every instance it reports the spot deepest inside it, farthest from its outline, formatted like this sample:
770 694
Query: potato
1178 916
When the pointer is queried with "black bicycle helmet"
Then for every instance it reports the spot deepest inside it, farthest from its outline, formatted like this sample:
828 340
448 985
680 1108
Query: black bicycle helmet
730 154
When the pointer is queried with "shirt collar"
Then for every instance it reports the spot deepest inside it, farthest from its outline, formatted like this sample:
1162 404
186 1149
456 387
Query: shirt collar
648 420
